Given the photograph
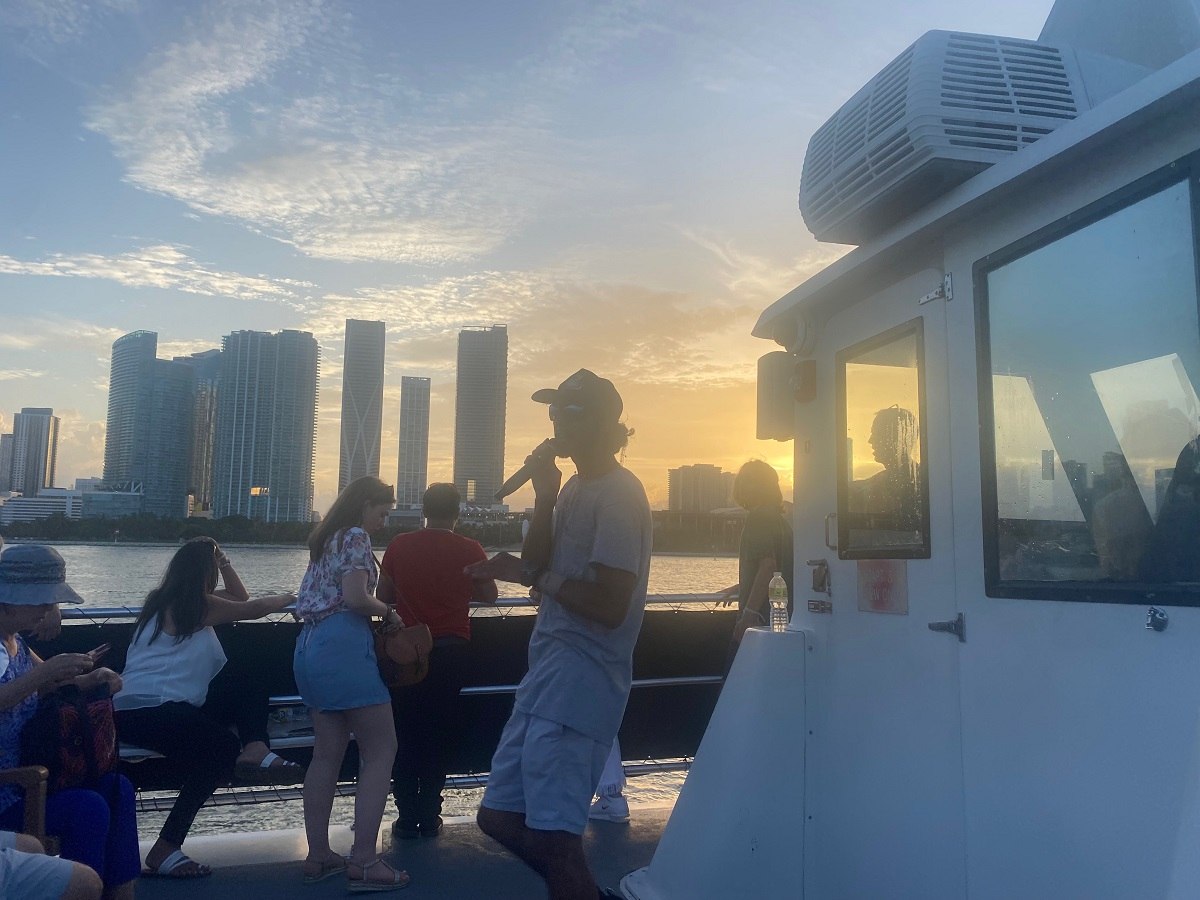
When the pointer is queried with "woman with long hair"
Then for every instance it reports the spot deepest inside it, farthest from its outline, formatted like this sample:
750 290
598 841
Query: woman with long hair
766 546
338 677
179 696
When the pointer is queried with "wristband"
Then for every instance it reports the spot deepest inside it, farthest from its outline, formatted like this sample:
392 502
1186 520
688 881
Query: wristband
549 582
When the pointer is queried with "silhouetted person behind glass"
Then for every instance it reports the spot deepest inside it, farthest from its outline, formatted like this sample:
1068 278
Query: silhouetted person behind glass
889 499
1121 526
1174 553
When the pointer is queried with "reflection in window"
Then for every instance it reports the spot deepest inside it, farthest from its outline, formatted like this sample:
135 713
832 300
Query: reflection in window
1095 354
882 505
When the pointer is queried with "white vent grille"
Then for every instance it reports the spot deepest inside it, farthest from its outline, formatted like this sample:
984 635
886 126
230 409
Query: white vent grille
947 107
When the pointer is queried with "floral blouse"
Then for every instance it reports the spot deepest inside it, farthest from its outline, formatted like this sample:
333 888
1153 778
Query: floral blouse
321 590
14 719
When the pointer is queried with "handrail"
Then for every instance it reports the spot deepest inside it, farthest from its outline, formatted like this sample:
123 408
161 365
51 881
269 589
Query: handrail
91 613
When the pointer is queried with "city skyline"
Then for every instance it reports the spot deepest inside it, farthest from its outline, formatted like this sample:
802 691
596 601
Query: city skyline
616 183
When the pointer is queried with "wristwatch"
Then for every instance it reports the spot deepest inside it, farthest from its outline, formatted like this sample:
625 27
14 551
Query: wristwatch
530 574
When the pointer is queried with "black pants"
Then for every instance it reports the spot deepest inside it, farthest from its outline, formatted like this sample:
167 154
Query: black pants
197 740
429 724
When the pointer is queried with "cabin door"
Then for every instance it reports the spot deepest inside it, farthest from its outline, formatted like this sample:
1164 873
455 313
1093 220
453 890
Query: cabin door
884 778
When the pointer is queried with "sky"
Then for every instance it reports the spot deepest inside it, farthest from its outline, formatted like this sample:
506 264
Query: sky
615 181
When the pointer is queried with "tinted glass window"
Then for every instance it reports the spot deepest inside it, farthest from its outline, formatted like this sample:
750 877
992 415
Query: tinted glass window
882 485
1095 355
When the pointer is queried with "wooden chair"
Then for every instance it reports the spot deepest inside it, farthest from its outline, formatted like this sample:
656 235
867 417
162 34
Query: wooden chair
32 780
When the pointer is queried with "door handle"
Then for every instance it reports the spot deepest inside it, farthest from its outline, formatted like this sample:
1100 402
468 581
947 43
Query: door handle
829 516
957 625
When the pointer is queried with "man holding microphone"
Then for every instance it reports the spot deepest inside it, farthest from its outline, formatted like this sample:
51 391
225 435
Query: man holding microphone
587 559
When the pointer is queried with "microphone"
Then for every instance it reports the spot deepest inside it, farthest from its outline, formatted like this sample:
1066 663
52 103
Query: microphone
541 453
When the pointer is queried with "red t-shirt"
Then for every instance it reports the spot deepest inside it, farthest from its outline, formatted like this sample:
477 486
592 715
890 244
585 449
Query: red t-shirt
427 569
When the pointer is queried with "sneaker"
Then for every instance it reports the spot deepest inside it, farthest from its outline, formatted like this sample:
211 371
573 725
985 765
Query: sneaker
610 809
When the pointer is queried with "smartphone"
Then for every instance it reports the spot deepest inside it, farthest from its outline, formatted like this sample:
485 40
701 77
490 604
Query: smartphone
99 652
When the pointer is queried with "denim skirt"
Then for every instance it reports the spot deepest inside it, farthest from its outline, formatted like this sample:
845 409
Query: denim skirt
335 664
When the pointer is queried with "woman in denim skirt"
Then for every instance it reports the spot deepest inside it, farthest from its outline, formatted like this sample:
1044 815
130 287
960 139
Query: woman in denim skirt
338 677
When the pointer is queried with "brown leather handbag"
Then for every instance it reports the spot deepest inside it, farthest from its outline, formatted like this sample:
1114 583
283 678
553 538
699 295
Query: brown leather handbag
403 653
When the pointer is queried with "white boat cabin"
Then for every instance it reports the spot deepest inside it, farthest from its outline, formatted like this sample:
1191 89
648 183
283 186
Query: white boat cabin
991 686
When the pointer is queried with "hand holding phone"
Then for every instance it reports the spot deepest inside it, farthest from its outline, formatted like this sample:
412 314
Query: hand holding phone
98 653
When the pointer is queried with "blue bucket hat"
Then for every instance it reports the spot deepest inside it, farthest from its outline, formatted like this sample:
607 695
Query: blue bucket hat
32 574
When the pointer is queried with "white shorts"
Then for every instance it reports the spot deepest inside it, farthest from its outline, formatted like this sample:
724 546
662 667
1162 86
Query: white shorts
546 771
31 876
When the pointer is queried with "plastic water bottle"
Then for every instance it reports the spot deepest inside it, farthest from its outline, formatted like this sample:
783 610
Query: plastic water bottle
778 593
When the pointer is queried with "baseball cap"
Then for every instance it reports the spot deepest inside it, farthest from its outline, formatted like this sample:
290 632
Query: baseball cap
595 396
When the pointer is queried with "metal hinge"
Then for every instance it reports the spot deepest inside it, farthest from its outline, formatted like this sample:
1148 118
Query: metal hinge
945 292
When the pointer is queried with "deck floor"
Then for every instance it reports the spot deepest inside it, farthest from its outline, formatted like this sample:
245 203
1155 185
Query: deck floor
460 862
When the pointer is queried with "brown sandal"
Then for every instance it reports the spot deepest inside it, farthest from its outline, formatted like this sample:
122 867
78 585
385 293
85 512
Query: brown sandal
326 868
361 884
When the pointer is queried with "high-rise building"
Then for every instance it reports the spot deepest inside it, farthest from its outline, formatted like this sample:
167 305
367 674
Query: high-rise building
148 443
362 401
479 410
132 355
699 489
6 459
35 450
207 366
412 471
266 426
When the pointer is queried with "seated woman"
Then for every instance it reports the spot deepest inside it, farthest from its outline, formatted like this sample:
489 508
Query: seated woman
180 697
96 827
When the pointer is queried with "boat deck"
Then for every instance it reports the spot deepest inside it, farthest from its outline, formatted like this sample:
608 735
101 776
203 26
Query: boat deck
460 862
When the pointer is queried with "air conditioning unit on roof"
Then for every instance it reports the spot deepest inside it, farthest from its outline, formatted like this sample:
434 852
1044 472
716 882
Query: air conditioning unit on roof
946 108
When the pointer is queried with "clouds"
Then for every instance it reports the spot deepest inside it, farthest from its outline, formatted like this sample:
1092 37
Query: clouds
159 266
614 180
18 374
267 113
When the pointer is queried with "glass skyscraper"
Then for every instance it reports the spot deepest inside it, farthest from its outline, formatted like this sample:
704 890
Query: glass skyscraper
479 411
207 366
35 450
362 401
148 442
412 470
266 426
129 373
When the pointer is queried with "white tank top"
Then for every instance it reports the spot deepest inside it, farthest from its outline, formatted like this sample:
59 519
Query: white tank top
168 672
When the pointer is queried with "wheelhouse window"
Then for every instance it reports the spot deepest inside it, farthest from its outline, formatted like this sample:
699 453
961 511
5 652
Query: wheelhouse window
883 508
1092 488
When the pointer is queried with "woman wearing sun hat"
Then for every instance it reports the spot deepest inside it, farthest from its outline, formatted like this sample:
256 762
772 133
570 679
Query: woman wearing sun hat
95 827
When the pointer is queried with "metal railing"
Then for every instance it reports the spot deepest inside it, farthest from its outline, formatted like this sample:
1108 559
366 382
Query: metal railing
162 801
104 614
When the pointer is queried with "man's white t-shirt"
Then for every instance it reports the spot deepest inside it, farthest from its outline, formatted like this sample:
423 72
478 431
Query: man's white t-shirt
580 671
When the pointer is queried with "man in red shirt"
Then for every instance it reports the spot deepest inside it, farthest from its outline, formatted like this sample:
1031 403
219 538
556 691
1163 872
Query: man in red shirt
422 576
